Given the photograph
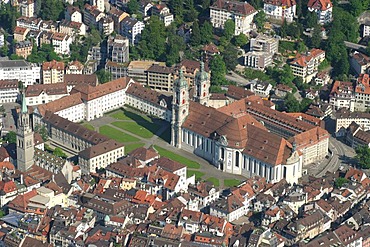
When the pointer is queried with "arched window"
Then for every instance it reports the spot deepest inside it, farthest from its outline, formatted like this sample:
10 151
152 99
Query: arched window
222 153
237 158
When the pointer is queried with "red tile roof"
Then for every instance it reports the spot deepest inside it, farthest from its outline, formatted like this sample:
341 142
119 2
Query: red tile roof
320 4
242 8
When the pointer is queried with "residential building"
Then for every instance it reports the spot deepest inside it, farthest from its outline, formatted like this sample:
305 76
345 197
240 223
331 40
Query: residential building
118 49
74 67
258 59
163 12
117 70
117 15
280 9
137 70
356 136
160 77
45 93
73 13
360 63
20 70
72 28
366 29
264 43
306 66
61 43
23 48
99 4
27 8
362 93
92 15
73 80
342 96
322 78
20 33
106 25
241 13
9 91
262 89
32 23
52 72
131 29
323 9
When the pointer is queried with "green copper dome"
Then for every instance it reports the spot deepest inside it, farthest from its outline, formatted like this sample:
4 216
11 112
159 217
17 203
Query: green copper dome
180 81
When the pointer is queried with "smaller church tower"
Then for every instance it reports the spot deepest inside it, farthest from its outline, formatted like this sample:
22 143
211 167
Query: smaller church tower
25 142
202 83
180 108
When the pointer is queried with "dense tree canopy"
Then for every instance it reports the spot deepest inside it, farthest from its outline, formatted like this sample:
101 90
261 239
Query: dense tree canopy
52 10
230 56
133 7
363 156
229 29
153 40
11 137
103 76
42 54
218 70
8 17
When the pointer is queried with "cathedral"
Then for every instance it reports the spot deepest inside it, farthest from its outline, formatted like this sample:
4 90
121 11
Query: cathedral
228 137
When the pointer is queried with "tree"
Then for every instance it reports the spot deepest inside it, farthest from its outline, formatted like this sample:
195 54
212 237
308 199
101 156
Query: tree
174 45
41 129
153 40
218 70
11 137
206 32
300 47
291 103
305 103
103 76
133 7
356 7
8 17
339 182
240 40
229 29
196 38
230 56
44 53
260 20
311 20
177 9
285 75
59 152
316 38
206 4
52 10
363 156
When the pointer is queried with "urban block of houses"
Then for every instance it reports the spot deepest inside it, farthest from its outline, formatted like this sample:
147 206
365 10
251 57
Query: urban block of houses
280 9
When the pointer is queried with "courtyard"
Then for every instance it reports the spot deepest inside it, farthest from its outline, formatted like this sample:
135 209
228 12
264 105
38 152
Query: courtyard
135 129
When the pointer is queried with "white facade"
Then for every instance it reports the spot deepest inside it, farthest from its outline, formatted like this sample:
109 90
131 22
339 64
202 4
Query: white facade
8 91
344 121
74 113
324 15
161 112
366 30
100 161
243 22
61 45
20 70
131 29
280 12
99 4
258 59
43 98
75 16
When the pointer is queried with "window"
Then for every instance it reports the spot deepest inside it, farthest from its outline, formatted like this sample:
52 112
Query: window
237 158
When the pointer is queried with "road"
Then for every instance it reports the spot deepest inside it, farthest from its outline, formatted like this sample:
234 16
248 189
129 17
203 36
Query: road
232 76
355 46
341 155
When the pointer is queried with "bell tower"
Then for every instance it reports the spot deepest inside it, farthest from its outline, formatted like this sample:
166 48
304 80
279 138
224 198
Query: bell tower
25 142
180 108
202 84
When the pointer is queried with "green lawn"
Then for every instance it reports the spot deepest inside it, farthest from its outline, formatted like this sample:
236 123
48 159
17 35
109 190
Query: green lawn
143 129
88 126
131 147
198 174
176 157
116 134
231 182
215 181
128 115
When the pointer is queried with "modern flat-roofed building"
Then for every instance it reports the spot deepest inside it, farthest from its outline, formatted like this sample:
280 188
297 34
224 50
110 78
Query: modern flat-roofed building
20 70
137 70
160 77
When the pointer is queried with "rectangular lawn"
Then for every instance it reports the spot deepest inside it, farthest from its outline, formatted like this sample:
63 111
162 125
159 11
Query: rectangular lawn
231 182
215 181
128 115
116 134
88 126
176 157
144 129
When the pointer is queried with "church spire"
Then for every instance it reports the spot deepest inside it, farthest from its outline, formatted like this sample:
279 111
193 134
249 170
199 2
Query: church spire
24 106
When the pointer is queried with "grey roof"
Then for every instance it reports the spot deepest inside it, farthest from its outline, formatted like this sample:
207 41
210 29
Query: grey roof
13 63
129 21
